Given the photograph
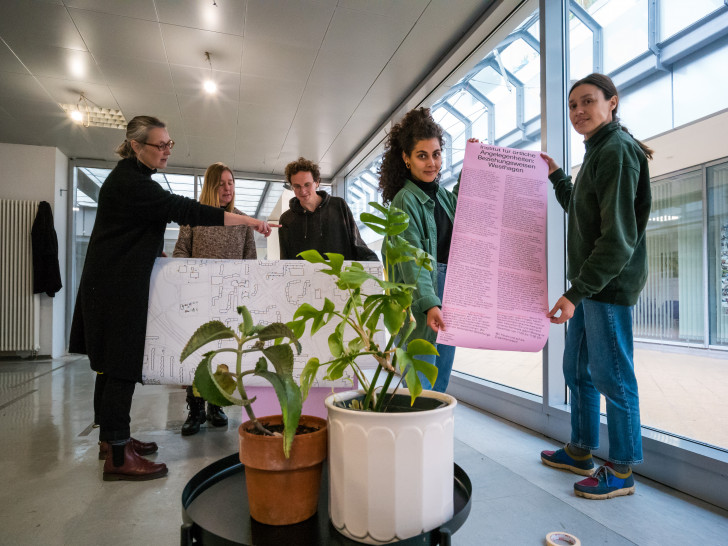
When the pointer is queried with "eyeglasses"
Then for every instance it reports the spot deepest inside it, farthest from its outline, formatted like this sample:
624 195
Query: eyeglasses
301 187
161 147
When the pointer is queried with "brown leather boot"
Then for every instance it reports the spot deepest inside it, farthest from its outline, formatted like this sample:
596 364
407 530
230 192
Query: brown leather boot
134 467
142 448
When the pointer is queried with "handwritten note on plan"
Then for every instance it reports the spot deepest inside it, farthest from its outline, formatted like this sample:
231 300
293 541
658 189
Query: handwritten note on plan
496 293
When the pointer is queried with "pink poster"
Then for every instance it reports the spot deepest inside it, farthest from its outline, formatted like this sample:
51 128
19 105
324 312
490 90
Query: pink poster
496 293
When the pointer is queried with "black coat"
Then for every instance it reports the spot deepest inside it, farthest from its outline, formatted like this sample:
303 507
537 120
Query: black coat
329 228
110 319
46 270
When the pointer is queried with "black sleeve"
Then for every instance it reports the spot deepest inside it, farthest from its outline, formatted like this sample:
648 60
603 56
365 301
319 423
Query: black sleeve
359 248
152 202
283 242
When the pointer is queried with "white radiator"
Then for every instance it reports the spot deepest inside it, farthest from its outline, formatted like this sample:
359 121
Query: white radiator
19 308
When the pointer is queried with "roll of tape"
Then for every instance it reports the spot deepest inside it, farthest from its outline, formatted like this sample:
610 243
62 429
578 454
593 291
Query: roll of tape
557 538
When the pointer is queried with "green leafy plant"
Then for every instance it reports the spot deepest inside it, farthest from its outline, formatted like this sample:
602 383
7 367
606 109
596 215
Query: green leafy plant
362 314
218 387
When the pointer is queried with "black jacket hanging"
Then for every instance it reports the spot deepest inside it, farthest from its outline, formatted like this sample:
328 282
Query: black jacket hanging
46 270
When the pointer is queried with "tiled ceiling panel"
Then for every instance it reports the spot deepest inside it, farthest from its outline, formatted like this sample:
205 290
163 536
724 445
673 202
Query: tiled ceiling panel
120 71
39 22
226 17
116 35
137 9
187 46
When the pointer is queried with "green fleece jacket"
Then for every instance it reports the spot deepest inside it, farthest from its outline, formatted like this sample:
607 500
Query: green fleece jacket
608 208
422 233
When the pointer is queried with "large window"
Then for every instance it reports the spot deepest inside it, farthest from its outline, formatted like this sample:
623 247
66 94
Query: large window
498 101
717 197
682 390
676 15
671 305
666 57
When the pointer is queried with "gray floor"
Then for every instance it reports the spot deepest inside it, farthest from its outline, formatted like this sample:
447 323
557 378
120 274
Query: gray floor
53 493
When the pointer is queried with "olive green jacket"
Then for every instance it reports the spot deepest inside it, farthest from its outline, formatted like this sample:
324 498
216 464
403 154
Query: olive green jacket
422 233
608 207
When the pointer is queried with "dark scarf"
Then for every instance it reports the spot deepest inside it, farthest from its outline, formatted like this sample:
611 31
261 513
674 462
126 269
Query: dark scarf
442 220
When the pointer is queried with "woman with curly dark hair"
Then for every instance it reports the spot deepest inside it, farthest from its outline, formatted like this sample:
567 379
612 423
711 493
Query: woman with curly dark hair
409 180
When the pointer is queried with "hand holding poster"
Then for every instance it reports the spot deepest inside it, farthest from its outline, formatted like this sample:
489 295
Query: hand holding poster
496 291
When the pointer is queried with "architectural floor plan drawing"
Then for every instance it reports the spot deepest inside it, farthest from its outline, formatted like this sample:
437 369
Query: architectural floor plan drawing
185 293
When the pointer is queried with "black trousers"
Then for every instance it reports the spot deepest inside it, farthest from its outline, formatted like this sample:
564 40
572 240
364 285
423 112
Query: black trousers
112 407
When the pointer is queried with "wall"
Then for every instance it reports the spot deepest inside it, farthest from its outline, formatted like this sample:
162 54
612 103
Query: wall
39 173
60 221
692 144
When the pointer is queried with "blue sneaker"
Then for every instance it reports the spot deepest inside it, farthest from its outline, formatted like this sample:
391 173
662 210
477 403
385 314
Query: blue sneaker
562 458
606 483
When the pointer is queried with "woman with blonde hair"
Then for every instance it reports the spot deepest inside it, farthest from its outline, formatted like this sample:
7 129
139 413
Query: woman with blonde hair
218 243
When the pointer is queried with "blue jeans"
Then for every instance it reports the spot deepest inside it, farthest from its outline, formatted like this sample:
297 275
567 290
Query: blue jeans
598 358
444 360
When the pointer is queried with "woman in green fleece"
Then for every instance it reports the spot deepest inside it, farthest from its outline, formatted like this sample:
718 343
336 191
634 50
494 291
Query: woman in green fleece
608 207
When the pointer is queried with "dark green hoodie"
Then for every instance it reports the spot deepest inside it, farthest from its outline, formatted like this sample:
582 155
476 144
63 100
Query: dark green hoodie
608 208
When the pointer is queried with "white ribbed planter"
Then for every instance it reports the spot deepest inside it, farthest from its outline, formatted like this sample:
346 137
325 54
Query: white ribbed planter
390 474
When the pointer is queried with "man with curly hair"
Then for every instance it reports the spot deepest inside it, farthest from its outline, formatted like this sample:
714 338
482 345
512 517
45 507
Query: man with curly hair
317 220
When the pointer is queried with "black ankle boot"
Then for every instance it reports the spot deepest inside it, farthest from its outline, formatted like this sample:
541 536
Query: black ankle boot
196 416
216 416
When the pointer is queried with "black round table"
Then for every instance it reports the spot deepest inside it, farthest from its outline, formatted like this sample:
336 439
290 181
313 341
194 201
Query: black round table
215 513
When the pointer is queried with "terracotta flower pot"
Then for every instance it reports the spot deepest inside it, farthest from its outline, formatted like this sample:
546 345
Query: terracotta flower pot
283 491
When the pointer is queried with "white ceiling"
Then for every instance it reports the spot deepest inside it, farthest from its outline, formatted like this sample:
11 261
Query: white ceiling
313 78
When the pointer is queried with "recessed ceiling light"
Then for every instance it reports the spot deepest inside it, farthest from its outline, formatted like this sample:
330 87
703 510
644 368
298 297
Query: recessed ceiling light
210 87
78 67
76 116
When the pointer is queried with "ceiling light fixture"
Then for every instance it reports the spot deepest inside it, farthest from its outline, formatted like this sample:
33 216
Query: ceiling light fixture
93 115
77 114
210 86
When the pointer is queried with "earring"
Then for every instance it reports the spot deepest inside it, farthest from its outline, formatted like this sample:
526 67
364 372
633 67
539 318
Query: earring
407 165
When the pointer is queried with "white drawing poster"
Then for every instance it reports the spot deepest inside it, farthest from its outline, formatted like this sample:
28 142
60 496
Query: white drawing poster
496 294
185 293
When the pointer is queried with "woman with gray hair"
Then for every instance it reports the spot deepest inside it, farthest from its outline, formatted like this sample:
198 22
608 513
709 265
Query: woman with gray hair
110 318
